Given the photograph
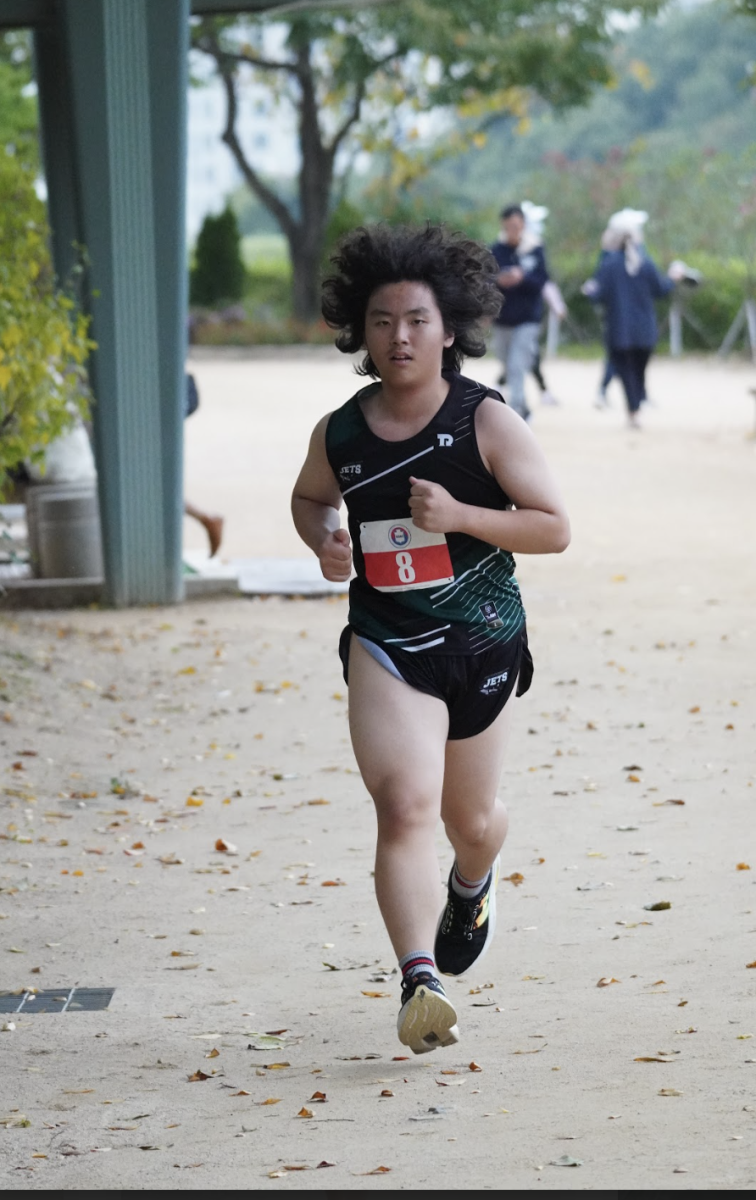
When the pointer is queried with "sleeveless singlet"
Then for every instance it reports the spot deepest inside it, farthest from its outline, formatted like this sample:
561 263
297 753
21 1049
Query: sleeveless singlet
423 592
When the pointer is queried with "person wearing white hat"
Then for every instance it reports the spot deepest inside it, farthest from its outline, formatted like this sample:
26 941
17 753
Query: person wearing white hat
626 284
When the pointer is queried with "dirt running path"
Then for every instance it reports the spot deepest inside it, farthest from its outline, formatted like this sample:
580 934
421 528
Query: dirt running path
134 741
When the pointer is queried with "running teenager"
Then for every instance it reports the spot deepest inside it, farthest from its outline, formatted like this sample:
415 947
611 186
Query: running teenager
442 484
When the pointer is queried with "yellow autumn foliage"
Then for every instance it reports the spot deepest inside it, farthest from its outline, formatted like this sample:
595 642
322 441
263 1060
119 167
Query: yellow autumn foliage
44 339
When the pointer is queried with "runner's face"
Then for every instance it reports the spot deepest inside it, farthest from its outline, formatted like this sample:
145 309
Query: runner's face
404 333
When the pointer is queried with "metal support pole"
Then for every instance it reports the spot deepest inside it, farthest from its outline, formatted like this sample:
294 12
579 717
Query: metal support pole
553 324
732 333
750 308
675 328
128 66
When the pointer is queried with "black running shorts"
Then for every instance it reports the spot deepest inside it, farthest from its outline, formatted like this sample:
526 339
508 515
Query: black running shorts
474 688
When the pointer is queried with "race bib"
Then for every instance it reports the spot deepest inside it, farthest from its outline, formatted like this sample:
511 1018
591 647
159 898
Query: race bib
400 557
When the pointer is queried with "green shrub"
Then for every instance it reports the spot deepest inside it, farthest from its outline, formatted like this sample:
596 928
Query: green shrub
218 274
44 340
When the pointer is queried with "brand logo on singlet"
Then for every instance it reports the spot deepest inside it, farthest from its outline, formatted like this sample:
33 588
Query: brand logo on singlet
445 439
490 615
399 536
350 470
494 683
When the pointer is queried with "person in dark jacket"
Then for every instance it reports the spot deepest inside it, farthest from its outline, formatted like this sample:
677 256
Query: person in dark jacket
626 284
521 278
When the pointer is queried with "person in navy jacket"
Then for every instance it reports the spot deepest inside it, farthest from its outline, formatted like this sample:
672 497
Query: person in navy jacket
522 275
626 284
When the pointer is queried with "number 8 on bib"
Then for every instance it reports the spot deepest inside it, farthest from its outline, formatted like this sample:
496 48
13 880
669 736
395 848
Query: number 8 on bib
399 556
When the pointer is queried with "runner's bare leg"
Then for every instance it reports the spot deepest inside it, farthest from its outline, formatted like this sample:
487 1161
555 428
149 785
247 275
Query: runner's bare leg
399 739
474 817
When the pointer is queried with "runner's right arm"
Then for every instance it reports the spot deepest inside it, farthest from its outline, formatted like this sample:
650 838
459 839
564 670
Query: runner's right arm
315 505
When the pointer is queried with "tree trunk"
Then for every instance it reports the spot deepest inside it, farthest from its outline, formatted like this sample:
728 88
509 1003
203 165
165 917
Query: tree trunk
305 277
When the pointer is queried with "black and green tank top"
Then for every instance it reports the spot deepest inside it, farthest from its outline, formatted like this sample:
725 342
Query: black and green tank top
429 592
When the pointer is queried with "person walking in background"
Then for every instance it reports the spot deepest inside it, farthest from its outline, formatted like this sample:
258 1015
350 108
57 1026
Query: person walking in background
626 284
211 523
521 278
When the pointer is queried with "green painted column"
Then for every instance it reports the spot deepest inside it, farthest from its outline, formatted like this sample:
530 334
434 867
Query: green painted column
128 68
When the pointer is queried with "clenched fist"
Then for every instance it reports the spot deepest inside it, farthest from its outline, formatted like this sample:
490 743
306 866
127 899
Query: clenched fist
335 556
433 508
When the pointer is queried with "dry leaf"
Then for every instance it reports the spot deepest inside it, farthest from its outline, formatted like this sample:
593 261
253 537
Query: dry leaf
376 1171
659 906
633 778
194 802
276 1066
325 1163
669 1092
305 1112
241 1092
661 803
270 1100
652 1058
333 883
224 847
212 1053
473 1066
516 878
742 867
376 995
319 1097
198 1076
605 980
751 965
387 1092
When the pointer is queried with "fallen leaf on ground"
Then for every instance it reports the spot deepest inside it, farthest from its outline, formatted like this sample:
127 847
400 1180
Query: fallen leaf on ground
387 1092
751 965
605 980
241 1092
473 1066
742 867
276 1066
661 803
319 1097
270 1100
376 1171
659 906
376 995
652 1058
670 1092
305 1112
212 1053
333 883
224 847
198 1076
566 1160
516 878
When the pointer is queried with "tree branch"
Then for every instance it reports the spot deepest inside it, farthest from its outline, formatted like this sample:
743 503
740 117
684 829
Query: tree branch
351 119
269 198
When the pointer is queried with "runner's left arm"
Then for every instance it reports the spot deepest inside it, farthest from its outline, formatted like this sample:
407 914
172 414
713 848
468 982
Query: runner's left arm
538 524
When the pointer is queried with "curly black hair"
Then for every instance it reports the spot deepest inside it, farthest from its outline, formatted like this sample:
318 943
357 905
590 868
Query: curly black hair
460 272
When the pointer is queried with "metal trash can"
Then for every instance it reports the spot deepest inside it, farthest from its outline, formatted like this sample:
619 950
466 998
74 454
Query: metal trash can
65 540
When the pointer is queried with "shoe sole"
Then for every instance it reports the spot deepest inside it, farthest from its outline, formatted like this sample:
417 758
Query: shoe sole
427 1021
496 870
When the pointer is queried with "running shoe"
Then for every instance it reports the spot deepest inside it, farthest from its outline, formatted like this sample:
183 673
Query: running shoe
466 927
427 1018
